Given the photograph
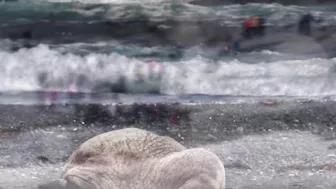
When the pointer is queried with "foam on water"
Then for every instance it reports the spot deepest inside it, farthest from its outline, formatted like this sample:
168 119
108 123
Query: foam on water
309 77
193 75
129 50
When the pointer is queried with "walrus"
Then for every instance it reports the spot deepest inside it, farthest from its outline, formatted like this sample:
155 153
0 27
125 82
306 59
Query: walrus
137 159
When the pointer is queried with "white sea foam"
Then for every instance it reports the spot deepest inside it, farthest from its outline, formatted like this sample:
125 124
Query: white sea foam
198 75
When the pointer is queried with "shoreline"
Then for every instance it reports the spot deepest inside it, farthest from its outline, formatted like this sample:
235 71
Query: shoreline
227 117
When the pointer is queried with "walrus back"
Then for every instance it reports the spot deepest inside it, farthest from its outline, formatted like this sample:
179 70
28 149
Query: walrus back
131 142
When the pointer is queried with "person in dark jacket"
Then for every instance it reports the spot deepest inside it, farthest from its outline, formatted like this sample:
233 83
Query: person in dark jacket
235 46
304 25
261 27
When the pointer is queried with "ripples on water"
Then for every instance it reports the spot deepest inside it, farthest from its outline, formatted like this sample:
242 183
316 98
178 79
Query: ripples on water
154 10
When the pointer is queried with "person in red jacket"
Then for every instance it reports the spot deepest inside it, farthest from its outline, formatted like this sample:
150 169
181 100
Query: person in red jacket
253 26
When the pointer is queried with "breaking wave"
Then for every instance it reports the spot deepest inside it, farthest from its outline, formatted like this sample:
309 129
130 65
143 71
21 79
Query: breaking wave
192 75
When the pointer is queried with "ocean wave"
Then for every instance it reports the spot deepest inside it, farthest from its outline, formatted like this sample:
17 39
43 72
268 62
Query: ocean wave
276 14
21 71
165 53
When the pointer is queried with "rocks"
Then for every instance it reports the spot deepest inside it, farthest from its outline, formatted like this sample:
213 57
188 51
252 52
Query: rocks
332 147
43 159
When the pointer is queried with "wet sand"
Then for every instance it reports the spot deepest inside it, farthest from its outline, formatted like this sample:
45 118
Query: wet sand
219 116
